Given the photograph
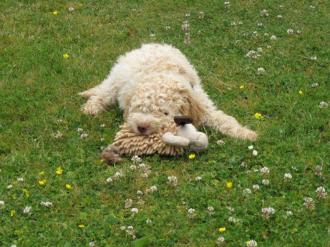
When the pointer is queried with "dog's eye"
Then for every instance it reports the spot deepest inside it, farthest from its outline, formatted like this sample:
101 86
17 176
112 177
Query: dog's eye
166 113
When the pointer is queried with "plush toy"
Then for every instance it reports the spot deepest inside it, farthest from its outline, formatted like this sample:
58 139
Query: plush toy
172 139
186 135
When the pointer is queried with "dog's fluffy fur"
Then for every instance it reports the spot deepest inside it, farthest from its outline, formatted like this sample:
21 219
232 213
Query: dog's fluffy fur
153 84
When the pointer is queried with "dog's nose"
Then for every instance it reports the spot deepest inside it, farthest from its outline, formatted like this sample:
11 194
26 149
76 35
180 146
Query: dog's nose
142 129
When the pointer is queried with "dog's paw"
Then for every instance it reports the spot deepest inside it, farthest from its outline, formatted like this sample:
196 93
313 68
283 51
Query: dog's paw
93 106
111 155
88 93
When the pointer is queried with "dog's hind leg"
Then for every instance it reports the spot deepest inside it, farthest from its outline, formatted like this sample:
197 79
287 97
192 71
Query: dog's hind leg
220 121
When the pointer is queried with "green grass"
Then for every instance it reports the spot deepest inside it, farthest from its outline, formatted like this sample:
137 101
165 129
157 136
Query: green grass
38 87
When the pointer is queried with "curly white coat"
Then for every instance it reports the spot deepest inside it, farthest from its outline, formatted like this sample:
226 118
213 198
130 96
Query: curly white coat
153 84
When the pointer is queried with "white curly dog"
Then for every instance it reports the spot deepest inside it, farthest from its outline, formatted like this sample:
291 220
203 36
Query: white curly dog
153 84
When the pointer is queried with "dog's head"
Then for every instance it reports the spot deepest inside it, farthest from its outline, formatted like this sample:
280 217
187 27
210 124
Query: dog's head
149 116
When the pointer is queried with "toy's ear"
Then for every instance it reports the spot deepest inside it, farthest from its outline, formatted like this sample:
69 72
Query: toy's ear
192 108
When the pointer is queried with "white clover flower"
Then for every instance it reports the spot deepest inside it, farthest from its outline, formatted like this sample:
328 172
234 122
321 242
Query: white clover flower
172 180
71 9
321 192
102 125
227 4
2 203
265 182
152 189
20 179
318 170
187 38
210 208
279 16
240 23
201 15
46 204
266 34
312 6
255 187
247 192
265 170
27 210
83 135
13 245
233 220
267 212
102 139
79 130
298 31
261 71
136 159
149 221
287 176
220 241
9 186
254 152
139 193
273 37
152 35
252 54
128 203
323 105
313 58
264 12
134 210
109 180
123 228
191 213
260 24
145 174
167 28
198 178
130 231
220 142
185 26
231 209
58 135
251 243
309 203
142 166
289 213
91 244
290 31
118 175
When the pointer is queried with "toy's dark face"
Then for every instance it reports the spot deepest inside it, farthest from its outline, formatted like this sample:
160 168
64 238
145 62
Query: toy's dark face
182 120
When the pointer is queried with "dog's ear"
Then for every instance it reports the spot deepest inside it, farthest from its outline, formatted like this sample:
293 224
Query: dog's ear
192 108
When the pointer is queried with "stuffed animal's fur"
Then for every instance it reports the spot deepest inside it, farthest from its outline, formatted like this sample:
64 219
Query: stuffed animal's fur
127 142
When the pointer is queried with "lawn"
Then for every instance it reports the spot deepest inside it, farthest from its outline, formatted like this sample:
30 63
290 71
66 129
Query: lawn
266 57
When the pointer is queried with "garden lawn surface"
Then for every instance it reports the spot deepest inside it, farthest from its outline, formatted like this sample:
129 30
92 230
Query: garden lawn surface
266 57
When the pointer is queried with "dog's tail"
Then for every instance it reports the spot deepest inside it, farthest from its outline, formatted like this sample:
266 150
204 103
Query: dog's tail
220 121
